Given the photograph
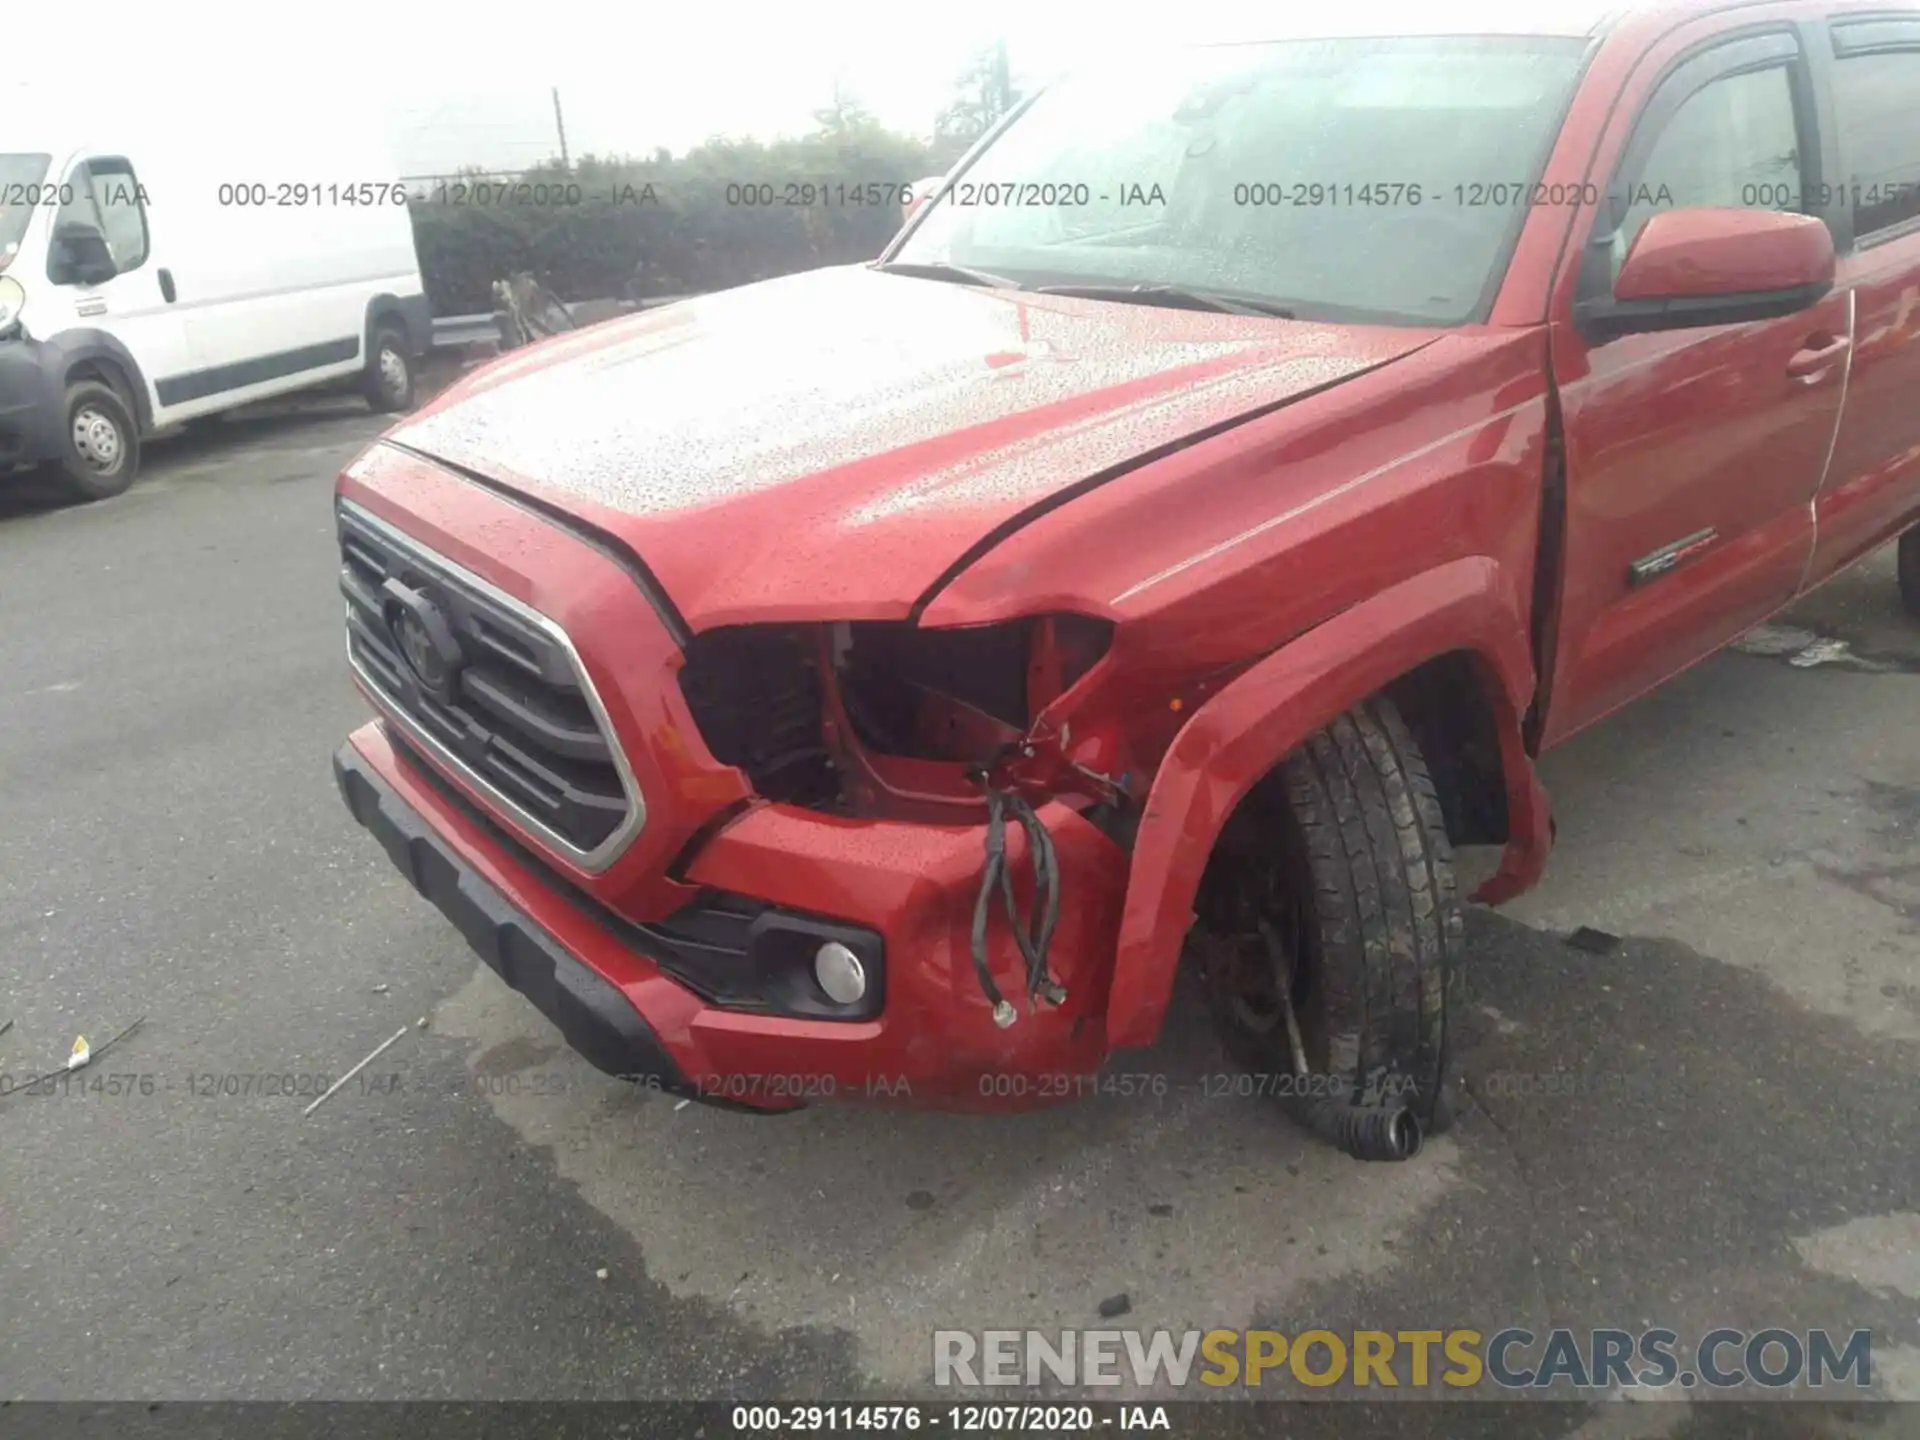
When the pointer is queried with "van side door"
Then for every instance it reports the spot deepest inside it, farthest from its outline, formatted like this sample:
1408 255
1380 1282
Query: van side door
1872 490
135 306
1692 456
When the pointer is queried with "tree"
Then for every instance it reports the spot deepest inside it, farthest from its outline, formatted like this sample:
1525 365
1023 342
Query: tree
985 93
709 219
843 112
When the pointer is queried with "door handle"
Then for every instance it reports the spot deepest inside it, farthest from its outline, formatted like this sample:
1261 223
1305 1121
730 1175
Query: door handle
166 286
1809 364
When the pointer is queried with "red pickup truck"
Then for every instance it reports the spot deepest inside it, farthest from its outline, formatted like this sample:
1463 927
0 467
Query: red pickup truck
873 682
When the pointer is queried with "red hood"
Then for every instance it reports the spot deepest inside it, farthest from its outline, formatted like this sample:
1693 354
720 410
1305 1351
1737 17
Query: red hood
828 445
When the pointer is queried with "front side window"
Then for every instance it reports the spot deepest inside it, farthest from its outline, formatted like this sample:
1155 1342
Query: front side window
1734 143
105 193
1877 99
1352 180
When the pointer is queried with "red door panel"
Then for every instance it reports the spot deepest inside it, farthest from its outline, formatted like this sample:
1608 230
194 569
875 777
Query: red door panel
1700 441
1692 456
1872 489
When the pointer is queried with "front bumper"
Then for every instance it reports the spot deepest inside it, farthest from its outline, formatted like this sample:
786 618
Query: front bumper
934 1043
708 845
29 405
587 1009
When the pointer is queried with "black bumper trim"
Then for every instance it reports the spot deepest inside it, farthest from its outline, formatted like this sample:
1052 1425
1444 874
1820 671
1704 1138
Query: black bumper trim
592 1015
30 398
707 947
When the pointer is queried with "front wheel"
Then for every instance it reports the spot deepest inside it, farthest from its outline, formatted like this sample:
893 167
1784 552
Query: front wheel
100 449
1332 894
388 385
1910 571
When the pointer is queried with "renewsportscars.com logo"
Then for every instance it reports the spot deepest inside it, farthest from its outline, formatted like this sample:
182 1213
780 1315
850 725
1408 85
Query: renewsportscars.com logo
1512 1359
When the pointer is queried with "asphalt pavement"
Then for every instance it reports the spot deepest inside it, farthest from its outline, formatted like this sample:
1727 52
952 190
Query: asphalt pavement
1711 1123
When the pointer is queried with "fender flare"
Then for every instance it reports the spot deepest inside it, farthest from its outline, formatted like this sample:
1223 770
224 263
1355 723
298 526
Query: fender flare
74 347
1238 736
412 315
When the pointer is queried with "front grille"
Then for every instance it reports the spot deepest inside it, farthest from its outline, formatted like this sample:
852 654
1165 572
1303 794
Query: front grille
519 718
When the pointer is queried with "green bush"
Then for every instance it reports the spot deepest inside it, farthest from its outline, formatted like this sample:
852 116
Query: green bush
673 226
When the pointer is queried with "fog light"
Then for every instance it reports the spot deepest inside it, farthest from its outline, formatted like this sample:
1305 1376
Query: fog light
840 973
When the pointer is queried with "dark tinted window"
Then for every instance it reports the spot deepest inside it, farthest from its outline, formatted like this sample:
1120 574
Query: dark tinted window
1878 101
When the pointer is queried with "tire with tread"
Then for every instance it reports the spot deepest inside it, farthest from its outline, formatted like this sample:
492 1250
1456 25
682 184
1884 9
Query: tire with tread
82 472
384 394
1374 923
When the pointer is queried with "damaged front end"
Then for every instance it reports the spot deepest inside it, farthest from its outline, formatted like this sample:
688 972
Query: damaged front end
886 719
975 726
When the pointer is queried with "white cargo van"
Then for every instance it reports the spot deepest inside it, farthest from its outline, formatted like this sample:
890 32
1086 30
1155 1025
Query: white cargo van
182 261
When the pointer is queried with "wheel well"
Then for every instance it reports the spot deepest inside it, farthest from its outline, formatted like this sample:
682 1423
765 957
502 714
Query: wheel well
384 312
1444 703
110 375
1259 827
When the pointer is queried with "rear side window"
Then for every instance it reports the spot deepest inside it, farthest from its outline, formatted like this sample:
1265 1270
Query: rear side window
1877 101
106 193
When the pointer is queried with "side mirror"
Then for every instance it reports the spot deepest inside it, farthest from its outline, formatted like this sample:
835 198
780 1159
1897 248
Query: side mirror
921 192
1710 266
80 255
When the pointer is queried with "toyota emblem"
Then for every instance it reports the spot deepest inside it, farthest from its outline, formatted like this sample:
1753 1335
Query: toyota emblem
435 662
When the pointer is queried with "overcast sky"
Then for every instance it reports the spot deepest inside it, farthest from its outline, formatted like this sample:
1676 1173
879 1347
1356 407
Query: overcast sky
469 85
676 79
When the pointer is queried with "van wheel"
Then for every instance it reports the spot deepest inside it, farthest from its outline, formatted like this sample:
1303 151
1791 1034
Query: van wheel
1333 886
1910 571
100 453
389 381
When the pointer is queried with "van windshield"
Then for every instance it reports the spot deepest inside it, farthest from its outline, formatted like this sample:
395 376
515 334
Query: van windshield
1360 180
21 193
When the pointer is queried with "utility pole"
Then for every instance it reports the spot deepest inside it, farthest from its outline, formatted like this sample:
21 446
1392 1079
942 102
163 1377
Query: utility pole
1002 80
561 125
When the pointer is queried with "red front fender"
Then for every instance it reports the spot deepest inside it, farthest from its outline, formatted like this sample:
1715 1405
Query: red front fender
1243 732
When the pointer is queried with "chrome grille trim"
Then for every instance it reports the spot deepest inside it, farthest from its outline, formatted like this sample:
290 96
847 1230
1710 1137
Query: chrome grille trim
592 861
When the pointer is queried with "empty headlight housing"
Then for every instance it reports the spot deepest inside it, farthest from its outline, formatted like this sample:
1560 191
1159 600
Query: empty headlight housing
890 675
759 692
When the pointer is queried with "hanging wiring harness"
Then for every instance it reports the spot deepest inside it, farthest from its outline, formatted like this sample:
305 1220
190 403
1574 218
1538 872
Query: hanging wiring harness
1034 934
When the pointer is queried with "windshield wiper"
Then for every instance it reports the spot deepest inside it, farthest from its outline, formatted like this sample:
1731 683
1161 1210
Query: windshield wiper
941 270
1171 295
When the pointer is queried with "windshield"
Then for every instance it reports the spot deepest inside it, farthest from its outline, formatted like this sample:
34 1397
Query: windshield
1359 180
20 194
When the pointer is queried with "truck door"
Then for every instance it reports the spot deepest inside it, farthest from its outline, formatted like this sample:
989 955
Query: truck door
1872 490
1692 456
136 305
